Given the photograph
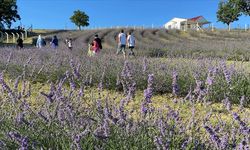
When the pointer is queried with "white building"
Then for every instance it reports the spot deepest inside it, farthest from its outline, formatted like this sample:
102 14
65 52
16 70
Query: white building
184 24
175 23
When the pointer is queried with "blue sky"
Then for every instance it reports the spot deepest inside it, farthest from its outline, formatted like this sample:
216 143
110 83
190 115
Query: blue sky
55 14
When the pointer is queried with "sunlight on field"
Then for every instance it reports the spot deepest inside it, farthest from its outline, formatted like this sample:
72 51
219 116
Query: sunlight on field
159 102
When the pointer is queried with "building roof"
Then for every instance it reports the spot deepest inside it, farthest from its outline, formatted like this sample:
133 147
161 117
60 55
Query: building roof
198 19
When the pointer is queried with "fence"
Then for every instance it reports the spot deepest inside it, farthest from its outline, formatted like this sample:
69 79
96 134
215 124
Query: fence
209 27
10 36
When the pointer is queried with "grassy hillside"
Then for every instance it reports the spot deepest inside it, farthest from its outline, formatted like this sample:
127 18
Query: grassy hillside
232 45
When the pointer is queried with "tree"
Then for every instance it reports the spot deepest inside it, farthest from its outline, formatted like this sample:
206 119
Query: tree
244 6
8 12
80 18
228 12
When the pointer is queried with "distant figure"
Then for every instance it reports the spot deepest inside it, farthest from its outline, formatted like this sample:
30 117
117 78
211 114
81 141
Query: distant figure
54 42
19 43
95 46
131 43
69 44
121 43
66 41
40 42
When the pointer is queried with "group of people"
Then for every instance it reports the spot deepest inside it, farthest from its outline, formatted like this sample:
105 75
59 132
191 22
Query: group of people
95 46
41 42
122 39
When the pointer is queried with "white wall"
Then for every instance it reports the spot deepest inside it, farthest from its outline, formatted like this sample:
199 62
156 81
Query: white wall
175 23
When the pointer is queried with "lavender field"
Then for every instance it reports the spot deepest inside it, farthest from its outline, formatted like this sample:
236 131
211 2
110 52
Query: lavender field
183 90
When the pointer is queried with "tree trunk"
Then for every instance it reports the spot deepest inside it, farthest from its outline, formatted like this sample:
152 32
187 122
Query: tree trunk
79 27
228 27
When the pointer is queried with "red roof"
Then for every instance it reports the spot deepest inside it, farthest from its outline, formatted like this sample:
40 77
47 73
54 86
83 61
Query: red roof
199 19
196 18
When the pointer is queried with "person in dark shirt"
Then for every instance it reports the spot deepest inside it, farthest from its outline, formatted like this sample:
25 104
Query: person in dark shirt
54 42
98 40
19 43
95 46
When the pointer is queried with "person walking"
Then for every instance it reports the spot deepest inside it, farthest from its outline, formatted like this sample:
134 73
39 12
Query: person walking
40 42
95 46
54 42
19 43
131 43
69 44
121 43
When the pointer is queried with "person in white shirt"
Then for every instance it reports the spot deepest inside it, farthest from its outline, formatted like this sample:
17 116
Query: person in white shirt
121 43
69 43
131 43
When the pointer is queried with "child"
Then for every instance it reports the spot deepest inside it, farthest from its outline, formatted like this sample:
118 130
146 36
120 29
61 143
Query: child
69 43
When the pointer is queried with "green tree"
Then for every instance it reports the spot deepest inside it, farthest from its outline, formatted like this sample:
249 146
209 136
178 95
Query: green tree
80 18
244 6
228 12
8 12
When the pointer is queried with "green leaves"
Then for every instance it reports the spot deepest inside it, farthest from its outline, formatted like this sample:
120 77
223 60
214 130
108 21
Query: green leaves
80 18
230 10
8 12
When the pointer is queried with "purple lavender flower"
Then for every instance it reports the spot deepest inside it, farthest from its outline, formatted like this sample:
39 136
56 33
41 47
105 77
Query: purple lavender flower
243 126
131 91
70 114
158 142
5 86
24 144
148 93
126 78
15 136
77 138
184 144
81 91
126 70
122 114
227 74
45 118
214 137
20 118
227 104
144 108
61 115
99 106
2 144
72 84
17 82
75 69
225 142
210 78
243 145
175 87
